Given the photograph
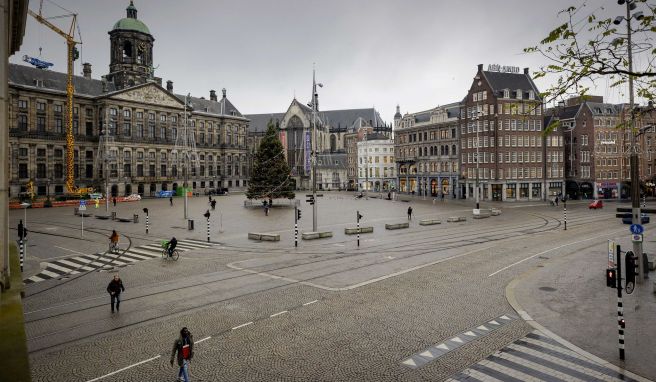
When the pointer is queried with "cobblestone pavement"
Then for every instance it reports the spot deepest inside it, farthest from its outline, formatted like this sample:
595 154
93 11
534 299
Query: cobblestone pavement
325 311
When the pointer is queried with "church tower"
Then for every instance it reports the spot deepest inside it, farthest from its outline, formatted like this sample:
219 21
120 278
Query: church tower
131 54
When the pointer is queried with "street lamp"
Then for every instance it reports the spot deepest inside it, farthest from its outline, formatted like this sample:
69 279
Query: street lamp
633 160
476 117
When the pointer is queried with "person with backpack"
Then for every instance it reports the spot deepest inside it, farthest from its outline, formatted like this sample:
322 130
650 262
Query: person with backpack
184 347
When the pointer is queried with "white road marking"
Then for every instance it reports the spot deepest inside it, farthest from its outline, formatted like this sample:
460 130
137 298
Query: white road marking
70 250
552 249
204 339
242 325
311 302
410 362
123 369
279 313
442 346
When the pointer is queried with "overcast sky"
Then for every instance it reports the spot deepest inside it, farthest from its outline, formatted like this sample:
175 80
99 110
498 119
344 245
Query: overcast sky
419 54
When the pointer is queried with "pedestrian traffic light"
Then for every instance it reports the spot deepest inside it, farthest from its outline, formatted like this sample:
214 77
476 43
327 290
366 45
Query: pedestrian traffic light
630 264
611 278
298 214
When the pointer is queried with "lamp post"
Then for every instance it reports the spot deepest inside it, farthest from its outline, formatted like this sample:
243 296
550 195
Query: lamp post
633 159
476 126
315 108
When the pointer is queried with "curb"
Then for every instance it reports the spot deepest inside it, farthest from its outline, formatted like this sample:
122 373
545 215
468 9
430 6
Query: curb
512 300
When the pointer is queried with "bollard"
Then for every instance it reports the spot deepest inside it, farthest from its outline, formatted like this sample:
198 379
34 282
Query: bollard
565 213
620 309
135 218
22 253
190 224
208 230
295 234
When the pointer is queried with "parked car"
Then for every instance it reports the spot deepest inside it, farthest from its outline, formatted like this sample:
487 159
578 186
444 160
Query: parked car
628 219
217 191
596 204
133 197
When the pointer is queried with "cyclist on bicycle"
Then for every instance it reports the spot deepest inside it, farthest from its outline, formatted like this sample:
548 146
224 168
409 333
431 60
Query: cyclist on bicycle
171 245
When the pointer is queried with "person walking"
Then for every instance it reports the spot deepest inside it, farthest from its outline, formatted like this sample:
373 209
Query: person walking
442 196
409 213
171 200
114 201
184 347
213 204
114 289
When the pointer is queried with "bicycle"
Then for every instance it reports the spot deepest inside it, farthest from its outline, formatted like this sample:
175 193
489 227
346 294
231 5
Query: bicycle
165 252
113 247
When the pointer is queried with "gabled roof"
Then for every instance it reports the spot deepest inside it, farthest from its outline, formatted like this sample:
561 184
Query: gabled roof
27 76
221 107
512 81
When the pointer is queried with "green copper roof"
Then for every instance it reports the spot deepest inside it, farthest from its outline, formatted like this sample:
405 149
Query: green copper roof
131 24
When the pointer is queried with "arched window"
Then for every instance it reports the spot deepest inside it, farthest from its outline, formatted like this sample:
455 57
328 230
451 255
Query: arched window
127 49
333 143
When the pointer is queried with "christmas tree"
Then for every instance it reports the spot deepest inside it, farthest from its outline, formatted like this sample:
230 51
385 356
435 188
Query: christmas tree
270 175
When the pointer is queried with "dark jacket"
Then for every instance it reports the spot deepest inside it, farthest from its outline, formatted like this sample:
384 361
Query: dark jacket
173 243
115 286
177 347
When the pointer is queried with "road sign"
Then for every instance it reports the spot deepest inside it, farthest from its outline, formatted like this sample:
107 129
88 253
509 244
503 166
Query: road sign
83 203
82 207
637 229
636 238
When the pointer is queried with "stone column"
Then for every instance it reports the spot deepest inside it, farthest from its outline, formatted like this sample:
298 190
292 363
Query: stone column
503 192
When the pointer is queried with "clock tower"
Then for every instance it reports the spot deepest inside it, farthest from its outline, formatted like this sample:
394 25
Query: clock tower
131 54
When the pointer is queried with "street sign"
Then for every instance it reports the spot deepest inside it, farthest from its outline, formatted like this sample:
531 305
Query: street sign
637 229
82 207
636 238
83 203
611 254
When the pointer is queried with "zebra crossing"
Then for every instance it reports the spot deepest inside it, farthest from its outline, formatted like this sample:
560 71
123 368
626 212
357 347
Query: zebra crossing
99 261
537 357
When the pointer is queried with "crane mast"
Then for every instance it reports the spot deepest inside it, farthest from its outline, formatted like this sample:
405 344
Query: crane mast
70 139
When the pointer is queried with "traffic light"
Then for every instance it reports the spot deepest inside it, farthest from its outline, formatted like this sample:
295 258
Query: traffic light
630 264
76 54
207 214
310 200
298 214
359 216
611 278
145 210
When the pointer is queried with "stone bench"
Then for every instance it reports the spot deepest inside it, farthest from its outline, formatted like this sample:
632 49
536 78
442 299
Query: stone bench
430 222
495 212
482 213
124 220
263 236
316 235
397 226
103 217
455 219
354 230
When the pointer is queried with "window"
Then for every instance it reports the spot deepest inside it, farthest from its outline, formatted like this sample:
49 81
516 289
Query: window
22 170
163 170
59 171
59 153
41 124
22 104
21 122
140 115
127 113
140 130
41 152
113 112
151 116
140 170
162 117
127 170
41 106
127 129
57 108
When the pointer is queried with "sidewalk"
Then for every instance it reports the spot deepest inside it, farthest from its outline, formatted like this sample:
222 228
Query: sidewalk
569 297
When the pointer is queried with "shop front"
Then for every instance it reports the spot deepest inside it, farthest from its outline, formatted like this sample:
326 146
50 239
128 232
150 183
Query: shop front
536 191
607 190
497 192
511 191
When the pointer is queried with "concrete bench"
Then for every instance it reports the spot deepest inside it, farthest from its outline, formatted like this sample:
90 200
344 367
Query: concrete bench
482 213
263 236
430 222
124 220
397 226
354 230
455 219
103 217
495 212
316 235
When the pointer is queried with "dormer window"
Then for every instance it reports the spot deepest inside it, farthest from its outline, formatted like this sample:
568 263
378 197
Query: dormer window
519 93
531 94
506 93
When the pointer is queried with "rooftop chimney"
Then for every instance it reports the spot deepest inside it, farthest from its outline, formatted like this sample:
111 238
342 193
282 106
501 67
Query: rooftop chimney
213 95
169 86
86 70
480 67
525 70
224 92
104 84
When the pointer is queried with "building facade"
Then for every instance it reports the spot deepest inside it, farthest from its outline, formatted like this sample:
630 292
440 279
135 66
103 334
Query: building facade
427 151
130 105
504 154
376 163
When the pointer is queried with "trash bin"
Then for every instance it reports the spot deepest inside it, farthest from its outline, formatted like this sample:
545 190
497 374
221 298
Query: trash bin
190 224
135 217
113 215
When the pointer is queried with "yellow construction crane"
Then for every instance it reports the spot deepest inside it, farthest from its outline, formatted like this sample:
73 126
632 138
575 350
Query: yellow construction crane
72 56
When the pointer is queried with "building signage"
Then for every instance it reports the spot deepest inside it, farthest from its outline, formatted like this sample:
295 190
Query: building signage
605 142
308 149
502 68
